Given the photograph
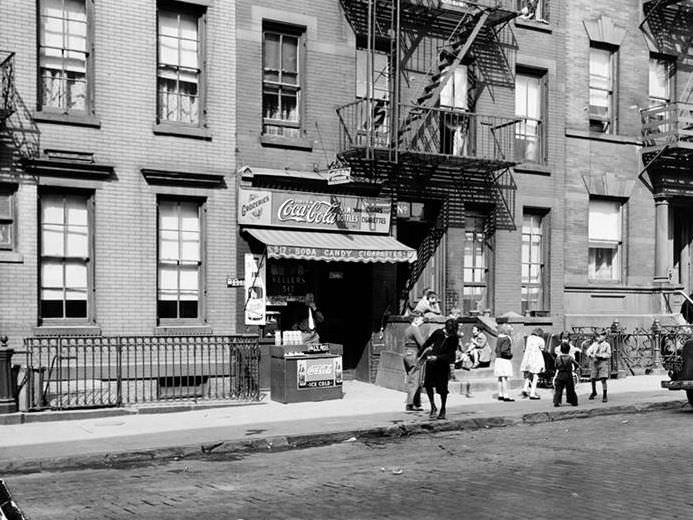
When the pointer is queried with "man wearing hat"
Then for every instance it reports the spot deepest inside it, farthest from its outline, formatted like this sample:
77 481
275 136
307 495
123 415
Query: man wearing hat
599 352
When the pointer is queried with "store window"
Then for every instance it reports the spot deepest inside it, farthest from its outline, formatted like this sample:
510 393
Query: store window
474 269
534 257
529 131
602 74
67 267
180 71
7 218
281 80
661 80
180 260
605 240
64 56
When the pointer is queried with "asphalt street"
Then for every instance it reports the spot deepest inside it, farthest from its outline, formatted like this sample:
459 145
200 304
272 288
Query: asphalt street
623 466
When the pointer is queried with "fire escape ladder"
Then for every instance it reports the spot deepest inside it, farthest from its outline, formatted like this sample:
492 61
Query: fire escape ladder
503 188
667 24
16 121
491 59
451 57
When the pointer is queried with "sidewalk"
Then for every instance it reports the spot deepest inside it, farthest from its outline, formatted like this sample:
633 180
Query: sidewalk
365 410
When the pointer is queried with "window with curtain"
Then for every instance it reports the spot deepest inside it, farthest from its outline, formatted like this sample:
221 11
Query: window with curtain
7 223
660 84
63 56
179 71
281 81
180 260
474 268
66 257
528 108
533 257
605 240
601 90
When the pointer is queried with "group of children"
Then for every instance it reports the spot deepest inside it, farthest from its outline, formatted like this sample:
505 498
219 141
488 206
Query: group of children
566 367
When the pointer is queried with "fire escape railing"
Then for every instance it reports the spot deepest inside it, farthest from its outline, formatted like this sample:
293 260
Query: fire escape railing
431 131
670 124
6 85
16 120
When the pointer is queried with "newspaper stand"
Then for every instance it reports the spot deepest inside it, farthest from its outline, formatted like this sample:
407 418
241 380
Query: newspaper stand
306 372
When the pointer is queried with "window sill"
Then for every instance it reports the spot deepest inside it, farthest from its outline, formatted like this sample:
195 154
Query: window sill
181 130
298 143
67 119
609 138
182 330
67 330
535 168
536 25
11 257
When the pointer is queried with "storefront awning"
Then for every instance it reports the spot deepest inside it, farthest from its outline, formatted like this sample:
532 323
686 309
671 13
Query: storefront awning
332 247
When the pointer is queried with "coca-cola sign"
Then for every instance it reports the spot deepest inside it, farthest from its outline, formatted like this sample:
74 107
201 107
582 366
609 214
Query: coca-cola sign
313 211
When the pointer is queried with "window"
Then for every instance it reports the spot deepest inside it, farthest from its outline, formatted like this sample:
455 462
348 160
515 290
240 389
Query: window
381 95
605 242
533 9
180 260
281 81
64 57
66 257
7 224
474 268
529 93
661 74
179 74
533 258
601 104
454 122
381 73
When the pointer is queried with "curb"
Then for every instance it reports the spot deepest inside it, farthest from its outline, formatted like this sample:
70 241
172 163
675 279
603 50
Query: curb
277 443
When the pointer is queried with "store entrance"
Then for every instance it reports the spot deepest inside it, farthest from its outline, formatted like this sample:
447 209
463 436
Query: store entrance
343 294
683 246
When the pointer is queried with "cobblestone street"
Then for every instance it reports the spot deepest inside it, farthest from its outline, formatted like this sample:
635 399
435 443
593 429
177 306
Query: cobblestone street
622 466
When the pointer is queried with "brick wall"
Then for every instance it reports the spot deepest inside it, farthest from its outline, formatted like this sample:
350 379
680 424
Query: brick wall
125 205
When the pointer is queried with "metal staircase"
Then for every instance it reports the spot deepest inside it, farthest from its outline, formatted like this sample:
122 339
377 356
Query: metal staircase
17 126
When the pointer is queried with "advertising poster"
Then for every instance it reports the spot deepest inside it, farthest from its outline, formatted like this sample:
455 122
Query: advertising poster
255 294
319 372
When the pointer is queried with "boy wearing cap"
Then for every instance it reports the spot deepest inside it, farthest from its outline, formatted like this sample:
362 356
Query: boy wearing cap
599 352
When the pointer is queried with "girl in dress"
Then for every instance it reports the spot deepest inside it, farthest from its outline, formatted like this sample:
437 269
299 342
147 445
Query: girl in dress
502 367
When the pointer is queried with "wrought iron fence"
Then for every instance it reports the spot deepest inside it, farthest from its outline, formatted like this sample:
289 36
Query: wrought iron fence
111 371
637 351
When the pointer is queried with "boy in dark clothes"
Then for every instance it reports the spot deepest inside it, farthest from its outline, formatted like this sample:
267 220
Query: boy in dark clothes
565 363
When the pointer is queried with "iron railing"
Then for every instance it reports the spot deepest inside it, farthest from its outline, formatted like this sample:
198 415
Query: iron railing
6 84
435 131
670 124
637 351
107 371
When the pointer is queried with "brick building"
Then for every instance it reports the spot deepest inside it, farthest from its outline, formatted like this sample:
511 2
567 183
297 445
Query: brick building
115 166
495 132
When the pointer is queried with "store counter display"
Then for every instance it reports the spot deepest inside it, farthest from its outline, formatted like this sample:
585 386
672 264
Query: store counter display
306 372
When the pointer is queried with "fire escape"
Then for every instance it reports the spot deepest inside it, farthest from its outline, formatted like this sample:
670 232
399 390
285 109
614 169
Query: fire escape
667 129
19 134
412 143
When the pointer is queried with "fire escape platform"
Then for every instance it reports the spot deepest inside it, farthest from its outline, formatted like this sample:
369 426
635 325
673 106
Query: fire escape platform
434 17
667 132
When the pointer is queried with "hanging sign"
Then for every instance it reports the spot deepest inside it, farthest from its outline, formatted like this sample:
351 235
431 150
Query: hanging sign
339 176
255 294
313 211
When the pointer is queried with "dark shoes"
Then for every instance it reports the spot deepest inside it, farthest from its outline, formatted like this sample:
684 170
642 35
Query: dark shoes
556 405
604 399
524 394
441 415
592 396
508 399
